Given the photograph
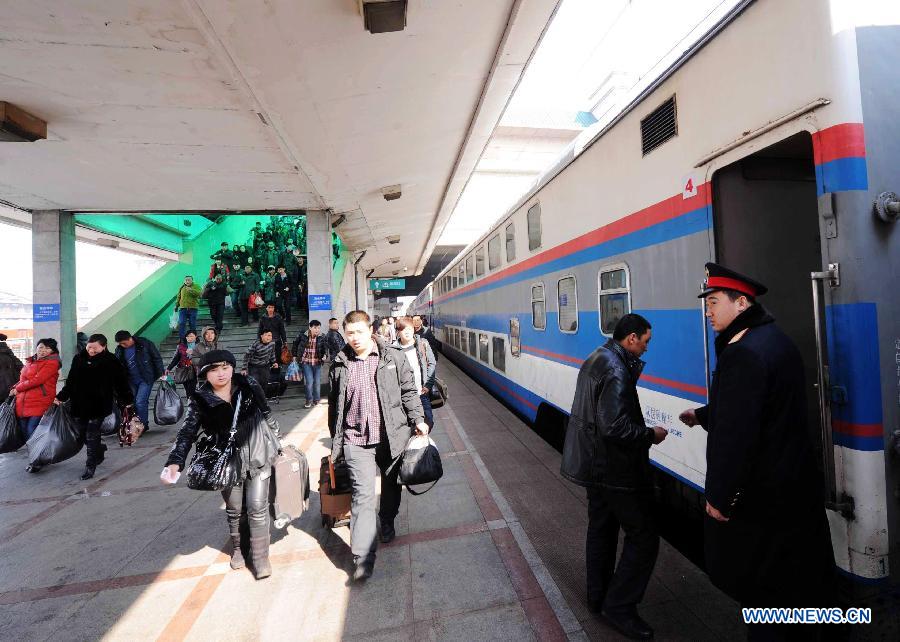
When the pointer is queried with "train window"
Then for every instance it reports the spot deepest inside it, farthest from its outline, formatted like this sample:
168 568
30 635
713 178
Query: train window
461 278
567 297
479 261
534 226
456 338
510 243
614 296
538 307
470 268
494 252
472 342
483 348
515 341
452 338
499 354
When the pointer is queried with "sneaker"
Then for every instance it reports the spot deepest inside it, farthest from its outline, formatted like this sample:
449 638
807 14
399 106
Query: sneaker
32 468
322 401
307 405
363 571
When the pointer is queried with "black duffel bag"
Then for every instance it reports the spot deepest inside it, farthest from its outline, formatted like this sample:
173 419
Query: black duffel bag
420 463
56 438
168 408
11 438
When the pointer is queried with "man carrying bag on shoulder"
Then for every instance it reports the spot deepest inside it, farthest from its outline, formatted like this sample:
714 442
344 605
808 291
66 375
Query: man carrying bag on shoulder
372 403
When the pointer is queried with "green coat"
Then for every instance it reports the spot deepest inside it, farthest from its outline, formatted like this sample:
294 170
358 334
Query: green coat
188 297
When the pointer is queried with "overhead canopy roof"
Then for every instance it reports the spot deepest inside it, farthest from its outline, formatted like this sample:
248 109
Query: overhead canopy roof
228 105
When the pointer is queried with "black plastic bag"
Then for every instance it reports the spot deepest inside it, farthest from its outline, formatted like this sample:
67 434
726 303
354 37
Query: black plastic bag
110 425
168 408
420 463
56 438
11 438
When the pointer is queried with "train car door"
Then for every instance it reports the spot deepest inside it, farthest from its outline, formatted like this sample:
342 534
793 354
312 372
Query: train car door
766 224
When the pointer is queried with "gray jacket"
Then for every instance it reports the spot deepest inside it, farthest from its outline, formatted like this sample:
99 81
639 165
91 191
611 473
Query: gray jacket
398 399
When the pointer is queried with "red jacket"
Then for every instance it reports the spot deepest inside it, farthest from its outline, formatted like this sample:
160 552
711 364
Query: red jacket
36 389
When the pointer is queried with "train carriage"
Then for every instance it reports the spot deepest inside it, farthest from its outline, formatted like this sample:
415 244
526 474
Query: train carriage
771 147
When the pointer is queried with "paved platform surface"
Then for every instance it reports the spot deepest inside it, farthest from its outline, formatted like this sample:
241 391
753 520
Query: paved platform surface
494 552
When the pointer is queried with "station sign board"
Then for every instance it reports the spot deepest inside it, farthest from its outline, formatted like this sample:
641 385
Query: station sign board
387 284
42 312
319 301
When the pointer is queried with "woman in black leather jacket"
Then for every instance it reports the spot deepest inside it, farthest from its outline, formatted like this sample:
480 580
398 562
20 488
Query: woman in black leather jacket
211 411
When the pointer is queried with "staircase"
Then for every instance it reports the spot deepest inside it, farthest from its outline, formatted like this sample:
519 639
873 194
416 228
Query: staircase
237 339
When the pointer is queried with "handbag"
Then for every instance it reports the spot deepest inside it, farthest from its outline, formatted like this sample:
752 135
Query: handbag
215 465
131 427
286 356
420 463
182 374
259 301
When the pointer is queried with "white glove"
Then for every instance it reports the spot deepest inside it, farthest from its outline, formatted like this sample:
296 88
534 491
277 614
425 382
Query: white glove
421 428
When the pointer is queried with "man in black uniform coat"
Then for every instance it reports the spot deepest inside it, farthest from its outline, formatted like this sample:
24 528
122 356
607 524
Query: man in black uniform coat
767 540
607 450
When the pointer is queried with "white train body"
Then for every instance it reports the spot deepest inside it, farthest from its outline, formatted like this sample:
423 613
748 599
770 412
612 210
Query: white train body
785 131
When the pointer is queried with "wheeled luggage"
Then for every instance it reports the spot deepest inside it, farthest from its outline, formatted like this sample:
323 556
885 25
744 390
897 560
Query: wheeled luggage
334 492
289 486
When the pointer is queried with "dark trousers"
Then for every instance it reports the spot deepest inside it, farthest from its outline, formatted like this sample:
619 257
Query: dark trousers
27 426
283 307
619 588
426 408
217 312
95 448
189 387
364 463
254 495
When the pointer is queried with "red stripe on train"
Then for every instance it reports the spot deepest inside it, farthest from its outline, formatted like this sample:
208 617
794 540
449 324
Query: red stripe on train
857 430
846 140
668 209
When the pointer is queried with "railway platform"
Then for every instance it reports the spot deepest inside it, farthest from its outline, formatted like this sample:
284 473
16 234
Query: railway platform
493 552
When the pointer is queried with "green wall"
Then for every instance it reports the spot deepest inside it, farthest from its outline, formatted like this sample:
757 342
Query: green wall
151 302
164 231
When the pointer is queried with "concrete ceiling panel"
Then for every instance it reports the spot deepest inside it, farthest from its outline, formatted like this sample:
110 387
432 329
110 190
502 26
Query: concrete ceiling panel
239 104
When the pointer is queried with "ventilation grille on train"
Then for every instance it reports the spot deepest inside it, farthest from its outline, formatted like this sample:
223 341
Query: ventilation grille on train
659 126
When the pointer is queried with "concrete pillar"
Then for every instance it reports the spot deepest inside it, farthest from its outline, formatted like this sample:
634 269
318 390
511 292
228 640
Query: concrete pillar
53 267
318 265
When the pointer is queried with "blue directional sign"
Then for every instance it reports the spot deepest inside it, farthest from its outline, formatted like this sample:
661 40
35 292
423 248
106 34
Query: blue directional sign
319 301
45 312
387 284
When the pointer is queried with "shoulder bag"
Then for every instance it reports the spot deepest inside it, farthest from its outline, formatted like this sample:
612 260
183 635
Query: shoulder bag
216 465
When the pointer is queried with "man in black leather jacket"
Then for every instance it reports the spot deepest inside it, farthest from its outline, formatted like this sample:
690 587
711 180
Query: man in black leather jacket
607 450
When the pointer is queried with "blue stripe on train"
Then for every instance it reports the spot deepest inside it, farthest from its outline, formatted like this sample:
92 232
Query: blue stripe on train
854 363
842 175
676 350
690 223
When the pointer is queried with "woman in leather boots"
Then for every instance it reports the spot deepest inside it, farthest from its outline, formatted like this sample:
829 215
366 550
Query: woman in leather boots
211 411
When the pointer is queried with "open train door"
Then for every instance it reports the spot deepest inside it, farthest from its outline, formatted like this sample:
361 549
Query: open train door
766 225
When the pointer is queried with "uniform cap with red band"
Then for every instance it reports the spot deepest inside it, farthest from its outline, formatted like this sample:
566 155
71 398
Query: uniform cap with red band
719 277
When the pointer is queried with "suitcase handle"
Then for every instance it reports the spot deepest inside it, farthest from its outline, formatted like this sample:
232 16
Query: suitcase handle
331 472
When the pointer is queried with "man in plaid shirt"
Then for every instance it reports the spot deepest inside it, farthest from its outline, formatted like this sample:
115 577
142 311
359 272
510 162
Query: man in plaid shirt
372 405
310 350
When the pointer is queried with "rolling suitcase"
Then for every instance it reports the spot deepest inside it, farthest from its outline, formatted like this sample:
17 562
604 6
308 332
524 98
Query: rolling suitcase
334 492
289 486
